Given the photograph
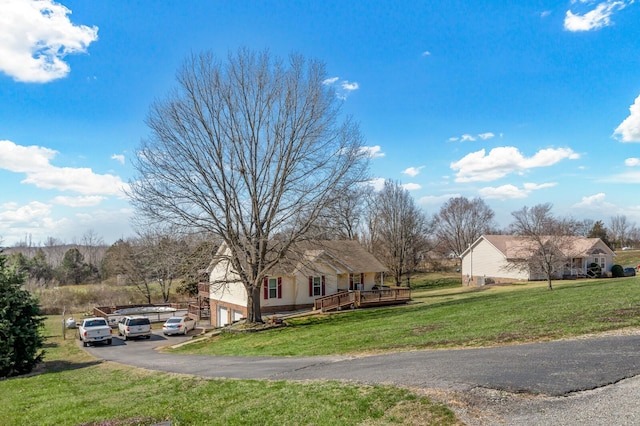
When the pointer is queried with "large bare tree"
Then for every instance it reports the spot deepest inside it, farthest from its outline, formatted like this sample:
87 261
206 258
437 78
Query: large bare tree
548 240
462 221
247 149
399 230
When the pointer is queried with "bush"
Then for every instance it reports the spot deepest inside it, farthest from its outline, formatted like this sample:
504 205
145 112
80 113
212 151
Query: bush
20 325
617 271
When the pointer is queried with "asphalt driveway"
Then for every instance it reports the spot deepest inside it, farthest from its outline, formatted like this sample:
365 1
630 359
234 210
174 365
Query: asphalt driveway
552 368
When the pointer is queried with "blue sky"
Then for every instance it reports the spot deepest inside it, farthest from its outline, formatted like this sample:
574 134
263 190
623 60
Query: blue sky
519 103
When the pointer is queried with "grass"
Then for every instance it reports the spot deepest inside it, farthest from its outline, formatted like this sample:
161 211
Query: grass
449 317
72 388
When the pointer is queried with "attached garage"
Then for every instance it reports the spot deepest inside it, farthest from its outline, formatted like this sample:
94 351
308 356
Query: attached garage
223 316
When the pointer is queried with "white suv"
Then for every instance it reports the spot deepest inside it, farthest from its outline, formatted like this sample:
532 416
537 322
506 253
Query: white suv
136 326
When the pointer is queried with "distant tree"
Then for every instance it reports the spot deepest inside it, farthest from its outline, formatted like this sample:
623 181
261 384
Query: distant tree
247 149
599 231
73 269
462 221
129 259
92 245
193 268
618 228
547 240
21 325
18 262
164 254
401 230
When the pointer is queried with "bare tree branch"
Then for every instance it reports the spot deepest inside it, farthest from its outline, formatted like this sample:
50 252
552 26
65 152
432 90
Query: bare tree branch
246 150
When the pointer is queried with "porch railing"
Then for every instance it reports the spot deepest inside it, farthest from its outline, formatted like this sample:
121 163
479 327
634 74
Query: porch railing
363 298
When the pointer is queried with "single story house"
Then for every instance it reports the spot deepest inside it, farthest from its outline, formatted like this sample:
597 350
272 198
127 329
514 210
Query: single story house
499 257
312 270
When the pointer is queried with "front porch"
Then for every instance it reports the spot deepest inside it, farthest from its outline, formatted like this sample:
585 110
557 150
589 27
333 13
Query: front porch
363 298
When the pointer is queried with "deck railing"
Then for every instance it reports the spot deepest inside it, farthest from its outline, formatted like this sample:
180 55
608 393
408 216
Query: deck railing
335 301
363 298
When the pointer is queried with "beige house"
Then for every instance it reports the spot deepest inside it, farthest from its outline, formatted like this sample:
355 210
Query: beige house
313 270
499 257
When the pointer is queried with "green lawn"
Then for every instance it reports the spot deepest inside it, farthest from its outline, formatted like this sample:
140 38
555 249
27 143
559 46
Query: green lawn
449 317
72 388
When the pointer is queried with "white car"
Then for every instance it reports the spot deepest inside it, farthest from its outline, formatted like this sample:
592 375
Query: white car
178 325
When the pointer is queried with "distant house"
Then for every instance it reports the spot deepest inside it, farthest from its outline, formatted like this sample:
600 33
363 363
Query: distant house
499 257
311 271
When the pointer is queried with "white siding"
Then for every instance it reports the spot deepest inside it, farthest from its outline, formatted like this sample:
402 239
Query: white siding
484 260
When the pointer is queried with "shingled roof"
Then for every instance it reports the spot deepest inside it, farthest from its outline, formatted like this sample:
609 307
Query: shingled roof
516 247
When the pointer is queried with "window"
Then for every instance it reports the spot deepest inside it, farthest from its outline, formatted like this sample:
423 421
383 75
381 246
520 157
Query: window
601 261
272 288
316 286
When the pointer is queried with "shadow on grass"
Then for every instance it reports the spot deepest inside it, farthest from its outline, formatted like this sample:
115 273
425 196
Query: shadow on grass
59 365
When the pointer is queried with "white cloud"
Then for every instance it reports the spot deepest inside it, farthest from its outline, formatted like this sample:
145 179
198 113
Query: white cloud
545 13
343 88
594 202
628 177
436 200
485 136
413 171
629 129
632 162
472 138
511 191
87 201
426 53
350 86
535 186
595 18
15 215
377 183
373 151
35 36
118 157
34 161
501 161
411 186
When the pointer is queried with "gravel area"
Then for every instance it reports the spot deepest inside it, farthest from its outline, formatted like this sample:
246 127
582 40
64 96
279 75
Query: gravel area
615 404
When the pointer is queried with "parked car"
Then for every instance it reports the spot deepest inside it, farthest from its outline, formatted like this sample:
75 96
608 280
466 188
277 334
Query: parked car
134 326
629 272
178 325
93 330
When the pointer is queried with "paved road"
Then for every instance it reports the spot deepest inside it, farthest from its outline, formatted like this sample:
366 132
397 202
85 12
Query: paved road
548 370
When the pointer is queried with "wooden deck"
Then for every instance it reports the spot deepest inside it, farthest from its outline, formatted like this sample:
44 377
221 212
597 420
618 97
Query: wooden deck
363 299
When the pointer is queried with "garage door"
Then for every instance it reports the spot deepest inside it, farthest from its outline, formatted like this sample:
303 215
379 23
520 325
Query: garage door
223 316
237 315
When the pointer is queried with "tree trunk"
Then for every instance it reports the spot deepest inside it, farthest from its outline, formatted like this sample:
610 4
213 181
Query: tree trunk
254 314
549 281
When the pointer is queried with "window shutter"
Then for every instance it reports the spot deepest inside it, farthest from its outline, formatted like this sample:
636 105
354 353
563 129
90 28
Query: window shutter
351 282
362 280
323 285
265 285
279 287
310 286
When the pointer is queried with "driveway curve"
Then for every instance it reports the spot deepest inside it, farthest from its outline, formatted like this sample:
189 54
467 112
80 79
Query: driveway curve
542 370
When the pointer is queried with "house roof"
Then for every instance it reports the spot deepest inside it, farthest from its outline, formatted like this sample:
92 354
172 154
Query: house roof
344 256
515 247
